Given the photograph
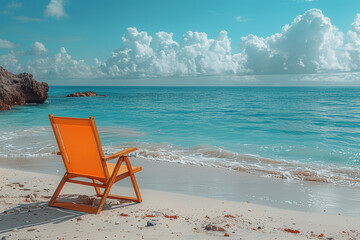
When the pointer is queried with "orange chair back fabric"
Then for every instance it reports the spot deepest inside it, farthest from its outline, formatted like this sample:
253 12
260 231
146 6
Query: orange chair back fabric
80 150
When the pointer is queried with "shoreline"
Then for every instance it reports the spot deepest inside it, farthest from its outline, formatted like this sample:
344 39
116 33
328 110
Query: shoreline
223 184
37 142
32 218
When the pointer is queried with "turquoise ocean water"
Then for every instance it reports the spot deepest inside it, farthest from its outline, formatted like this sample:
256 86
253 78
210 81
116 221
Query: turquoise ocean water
300 133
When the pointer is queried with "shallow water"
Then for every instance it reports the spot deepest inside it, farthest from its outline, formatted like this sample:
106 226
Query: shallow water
296 133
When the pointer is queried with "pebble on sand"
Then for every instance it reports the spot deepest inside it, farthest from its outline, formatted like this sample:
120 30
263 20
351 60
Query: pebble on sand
150 224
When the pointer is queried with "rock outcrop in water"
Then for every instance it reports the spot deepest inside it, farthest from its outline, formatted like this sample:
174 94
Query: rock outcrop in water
18 89
84 94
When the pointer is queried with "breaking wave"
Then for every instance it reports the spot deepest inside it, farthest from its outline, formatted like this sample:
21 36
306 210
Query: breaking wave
205 155
40 142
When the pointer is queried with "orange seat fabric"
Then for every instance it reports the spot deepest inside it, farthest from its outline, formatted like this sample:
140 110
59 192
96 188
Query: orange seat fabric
123 169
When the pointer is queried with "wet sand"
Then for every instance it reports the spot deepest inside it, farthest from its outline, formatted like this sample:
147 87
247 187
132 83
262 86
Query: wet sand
224 184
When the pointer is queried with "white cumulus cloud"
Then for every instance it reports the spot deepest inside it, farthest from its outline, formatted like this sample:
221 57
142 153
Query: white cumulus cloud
143 56
38 49
55 9
353 45
62 66
10 62
6 44
310 44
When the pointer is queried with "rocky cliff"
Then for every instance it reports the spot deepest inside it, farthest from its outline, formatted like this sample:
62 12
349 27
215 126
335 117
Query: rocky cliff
18 89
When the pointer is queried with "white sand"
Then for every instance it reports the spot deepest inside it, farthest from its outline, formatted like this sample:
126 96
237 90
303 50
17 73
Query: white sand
30 218
223 184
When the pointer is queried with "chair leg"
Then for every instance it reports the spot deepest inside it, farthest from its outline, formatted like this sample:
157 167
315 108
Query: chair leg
97 189
118 197
133 180
58 190
80 207
103 198
136 188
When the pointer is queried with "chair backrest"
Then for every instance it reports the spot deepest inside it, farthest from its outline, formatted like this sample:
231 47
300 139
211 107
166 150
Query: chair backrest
80 146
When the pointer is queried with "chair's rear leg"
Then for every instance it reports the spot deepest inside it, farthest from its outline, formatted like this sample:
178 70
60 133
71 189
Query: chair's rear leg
133 180
103 198
97 189
58 190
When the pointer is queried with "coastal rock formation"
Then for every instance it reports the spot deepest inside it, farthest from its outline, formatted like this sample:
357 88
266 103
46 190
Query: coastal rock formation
83 94
18 89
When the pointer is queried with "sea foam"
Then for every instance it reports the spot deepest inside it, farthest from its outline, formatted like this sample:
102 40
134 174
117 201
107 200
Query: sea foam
40 142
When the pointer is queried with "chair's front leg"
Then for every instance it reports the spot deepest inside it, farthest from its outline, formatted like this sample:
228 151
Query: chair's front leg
109 184
133 180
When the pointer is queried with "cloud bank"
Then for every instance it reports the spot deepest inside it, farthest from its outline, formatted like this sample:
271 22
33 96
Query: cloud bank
62 66
143 56
309 44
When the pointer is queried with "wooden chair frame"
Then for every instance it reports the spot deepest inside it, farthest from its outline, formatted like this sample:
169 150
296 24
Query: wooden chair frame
97 182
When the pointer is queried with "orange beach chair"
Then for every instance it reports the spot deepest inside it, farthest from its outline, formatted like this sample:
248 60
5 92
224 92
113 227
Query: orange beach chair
81 151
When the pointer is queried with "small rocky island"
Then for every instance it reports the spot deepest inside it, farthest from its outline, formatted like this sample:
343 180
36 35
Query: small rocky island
18 89
84 94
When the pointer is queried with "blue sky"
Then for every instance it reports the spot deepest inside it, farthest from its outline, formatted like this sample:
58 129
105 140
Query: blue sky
59 40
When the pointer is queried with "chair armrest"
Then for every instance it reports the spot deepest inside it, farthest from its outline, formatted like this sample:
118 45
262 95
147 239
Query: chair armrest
119 154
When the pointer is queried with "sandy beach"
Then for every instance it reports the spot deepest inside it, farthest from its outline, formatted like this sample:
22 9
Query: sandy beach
183 209
241 119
